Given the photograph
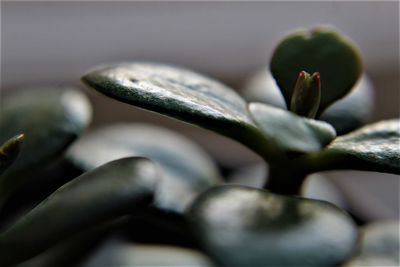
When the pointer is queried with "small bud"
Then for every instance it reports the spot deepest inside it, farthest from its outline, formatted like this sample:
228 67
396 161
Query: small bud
306 95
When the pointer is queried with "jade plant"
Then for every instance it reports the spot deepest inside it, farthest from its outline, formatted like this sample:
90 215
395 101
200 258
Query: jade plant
150 185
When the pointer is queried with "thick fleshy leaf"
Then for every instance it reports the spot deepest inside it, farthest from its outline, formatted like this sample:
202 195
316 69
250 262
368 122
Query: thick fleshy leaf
290 132
9 151
379 245
178 93
93 198
375 147
241 226
187 169
345 115
75 249
50 120
320 50
118 254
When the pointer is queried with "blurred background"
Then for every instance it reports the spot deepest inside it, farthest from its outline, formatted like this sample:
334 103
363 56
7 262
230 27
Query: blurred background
46 43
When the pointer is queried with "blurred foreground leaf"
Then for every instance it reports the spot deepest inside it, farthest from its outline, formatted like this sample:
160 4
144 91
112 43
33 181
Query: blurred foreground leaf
118 254
91 199
50 120
241 226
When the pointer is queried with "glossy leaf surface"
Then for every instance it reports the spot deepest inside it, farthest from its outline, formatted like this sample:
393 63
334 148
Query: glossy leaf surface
241 226
93 198
375 147
50 120
320 50
186 168
181 94
290 132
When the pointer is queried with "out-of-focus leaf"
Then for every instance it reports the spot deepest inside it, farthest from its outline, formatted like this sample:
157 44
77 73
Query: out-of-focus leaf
379 245
181 94
50 121
187 170
93 198
9 151
74 250
375 147
322 50
345 115
352 111
118 254
290 132
241 226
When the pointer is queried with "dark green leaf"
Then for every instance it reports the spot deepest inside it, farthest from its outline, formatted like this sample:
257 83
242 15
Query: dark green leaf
93 198
50 121
345 115
241 226
181 94
290 132
352 111
320 50
9 151
375 147
186 168
74 250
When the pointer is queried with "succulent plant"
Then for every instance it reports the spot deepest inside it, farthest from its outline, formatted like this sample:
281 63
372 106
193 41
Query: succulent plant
146 184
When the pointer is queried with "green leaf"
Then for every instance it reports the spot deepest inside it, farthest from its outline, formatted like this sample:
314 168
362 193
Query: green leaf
379 245
74 250
290 132
242 226
375 147
320 50
9 151
93 198
352 111
345 115
181 94
186 169
50 120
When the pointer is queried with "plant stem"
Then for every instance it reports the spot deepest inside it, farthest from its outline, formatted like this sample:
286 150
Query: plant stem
285 179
